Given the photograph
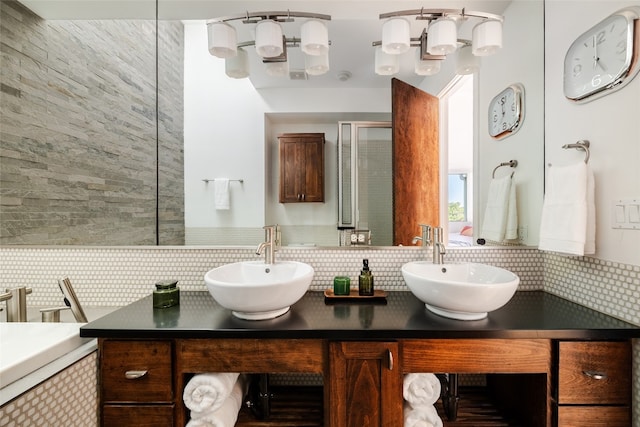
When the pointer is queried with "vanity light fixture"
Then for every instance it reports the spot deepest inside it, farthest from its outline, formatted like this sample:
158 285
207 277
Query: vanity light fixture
426 67
438 39
270 42
237 67
222 39
268 38
396 36
443 37
314 38
316 65
466 61
386 64
487 38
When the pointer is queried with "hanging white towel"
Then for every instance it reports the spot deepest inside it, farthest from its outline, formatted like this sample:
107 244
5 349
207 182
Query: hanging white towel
420 389
501 213
221 188
421 416
567 225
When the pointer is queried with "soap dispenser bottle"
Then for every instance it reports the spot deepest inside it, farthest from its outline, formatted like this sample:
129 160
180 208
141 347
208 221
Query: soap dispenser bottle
365 283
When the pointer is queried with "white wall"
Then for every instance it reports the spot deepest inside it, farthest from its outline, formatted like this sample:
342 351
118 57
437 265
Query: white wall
519 61
224 137
611 124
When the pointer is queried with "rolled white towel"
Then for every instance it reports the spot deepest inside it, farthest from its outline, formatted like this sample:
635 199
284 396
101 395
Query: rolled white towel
421 416
420 389
227 414
207 392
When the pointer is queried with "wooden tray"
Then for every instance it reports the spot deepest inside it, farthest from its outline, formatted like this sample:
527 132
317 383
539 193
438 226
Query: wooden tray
354 296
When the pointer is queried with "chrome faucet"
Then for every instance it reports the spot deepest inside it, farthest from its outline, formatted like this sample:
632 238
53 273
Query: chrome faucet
71 300
269 246
16 299
426 235
438 247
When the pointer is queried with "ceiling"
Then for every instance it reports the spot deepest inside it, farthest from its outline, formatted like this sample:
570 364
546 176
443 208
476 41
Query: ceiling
355 24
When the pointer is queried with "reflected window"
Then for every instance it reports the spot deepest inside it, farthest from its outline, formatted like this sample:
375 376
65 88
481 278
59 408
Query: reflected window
458 197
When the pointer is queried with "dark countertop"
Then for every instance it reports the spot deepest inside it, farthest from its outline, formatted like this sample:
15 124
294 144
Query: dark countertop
528 315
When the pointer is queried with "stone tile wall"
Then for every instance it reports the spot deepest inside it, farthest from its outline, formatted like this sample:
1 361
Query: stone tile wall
78 130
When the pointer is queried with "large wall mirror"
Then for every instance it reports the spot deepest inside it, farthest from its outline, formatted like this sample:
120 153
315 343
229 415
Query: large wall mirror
184 123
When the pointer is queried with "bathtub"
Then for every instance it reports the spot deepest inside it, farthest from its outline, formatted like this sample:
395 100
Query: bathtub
31 352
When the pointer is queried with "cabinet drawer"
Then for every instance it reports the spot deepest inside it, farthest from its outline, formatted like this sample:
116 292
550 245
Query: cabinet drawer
594 416
594 373
150 361
137 416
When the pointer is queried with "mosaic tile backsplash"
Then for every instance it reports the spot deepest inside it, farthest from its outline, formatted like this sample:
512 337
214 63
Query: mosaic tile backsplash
119 276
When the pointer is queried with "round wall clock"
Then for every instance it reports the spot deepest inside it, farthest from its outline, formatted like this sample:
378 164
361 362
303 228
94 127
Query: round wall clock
506 111
604 58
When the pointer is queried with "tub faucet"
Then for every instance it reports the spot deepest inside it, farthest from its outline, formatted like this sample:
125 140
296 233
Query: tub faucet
269 245
438 247
71 300
425 238
16 299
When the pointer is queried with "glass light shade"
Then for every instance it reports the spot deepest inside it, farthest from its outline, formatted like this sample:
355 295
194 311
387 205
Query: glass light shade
314 38
385 64
426 67
277 69
222 39
487 38
268 38
237 67
396 36
316 65
442 37
466 62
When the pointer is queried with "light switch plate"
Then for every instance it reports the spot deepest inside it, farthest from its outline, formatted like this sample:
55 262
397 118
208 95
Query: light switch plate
625 214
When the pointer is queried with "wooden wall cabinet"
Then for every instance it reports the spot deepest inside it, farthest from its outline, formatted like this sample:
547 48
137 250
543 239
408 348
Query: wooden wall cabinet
301 167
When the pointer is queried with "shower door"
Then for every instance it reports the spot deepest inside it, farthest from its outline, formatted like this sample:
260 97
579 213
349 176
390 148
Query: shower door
365 179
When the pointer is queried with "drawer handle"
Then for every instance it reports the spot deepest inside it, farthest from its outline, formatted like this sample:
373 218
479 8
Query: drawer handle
595 375
390 353
134 375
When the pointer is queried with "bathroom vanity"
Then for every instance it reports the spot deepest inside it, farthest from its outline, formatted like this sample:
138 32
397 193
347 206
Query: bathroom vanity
551 361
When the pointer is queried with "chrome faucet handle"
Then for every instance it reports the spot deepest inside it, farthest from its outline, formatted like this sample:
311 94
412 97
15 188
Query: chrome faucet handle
426 234
17 303
71 300
6 296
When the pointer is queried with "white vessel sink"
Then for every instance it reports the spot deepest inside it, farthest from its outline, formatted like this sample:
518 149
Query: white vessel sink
254 290
465 291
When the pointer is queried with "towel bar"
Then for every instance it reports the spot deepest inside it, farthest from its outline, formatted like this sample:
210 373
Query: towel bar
583 144
207 180
511 163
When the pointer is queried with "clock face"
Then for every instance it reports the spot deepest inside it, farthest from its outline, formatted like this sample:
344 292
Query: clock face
600 58
505 112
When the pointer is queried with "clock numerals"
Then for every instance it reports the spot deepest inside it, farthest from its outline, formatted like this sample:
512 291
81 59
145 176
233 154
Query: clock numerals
505 115
601 58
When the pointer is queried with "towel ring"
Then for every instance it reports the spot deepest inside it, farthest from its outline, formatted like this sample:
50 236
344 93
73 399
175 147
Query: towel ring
583 144
511 163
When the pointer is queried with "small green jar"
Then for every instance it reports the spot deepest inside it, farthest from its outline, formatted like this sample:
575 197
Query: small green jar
166 294
341 285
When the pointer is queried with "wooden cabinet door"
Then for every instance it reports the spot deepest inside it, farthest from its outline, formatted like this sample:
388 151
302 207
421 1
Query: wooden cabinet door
301 167
365 385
